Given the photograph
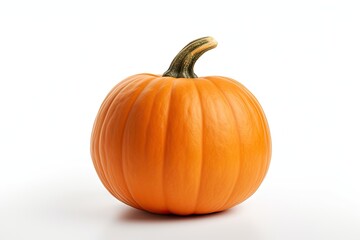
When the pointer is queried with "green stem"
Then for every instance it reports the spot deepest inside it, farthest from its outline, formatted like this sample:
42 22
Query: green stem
183 64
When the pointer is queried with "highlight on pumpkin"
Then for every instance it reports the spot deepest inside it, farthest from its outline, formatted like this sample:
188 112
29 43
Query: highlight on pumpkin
181 144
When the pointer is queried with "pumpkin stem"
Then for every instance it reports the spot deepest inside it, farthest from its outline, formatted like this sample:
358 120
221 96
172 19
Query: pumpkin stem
183 64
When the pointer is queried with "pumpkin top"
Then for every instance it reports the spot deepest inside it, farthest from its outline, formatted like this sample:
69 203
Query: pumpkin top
183 64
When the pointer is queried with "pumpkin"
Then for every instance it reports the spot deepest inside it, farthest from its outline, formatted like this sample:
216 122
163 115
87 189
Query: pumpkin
181 144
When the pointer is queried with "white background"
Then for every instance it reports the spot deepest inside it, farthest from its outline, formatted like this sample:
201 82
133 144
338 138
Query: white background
59 59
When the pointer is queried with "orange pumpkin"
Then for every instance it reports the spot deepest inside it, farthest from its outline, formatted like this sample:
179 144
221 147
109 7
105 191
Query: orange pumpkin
181 144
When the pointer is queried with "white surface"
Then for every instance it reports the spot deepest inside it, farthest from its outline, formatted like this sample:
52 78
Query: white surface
58 60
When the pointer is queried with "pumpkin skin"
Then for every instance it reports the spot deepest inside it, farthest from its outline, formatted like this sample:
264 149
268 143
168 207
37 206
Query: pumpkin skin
181 145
